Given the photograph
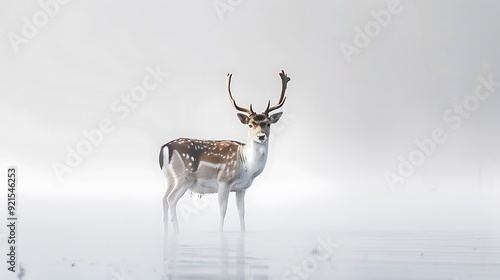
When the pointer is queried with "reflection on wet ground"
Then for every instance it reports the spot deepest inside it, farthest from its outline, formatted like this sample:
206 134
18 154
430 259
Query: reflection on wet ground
358 255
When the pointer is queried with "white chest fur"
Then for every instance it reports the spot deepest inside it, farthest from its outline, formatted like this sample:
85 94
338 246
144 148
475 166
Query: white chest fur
253 161
255 158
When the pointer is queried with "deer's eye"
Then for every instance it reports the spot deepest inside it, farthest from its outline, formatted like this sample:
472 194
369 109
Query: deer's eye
268 125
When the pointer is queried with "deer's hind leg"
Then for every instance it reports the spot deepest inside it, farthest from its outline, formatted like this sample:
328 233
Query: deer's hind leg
179 190
170 181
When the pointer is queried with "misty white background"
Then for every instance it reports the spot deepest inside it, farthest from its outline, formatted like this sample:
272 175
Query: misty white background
344 124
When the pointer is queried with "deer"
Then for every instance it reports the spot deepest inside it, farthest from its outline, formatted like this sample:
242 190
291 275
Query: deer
219 166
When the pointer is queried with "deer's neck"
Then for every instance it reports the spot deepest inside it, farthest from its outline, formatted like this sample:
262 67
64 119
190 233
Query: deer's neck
254 157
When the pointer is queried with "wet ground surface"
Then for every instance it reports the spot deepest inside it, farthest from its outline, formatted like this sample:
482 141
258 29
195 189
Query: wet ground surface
443 255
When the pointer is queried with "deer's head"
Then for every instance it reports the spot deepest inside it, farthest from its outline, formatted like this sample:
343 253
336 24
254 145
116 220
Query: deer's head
260 124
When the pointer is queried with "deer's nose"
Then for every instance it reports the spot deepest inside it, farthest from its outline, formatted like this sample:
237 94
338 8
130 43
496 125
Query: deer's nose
261 136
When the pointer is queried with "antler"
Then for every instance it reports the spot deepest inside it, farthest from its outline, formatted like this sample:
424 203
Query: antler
245 110
284 80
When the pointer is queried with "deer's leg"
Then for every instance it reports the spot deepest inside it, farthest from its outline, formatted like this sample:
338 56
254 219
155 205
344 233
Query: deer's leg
172 199
223 195
240 204
170 185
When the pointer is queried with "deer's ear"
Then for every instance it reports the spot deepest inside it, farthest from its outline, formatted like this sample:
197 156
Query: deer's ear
243 118
275 117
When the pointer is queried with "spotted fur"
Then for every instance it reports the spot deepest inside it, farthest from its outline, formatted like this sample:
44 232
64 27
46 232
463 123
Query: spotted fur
204 166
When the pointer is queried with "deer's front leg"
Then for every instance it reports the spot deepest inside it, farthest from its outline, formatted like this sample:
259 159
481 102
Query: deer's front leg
240 204
223 195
